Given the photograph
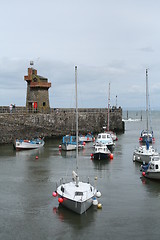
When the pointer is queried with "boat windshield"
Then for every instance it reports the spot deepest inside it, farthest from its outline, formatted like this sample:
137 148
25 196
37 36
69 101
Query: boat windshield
73 139
78 193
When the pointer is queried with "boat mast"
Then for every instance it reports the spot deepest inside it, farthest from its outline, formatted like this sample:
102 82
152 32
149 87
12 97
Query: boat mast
76 122
108 107
147 98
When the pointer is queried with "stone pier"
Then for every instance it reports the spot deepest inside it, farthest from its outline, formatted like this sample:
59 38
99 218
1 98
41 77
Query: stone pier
20 124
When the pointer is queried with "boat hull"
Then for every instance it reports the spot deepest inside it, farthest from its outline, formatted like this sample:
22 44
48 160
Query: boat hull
85 139
21 145
101 156
143 154
68 147
75 195
144 139
153 175
141 158
77 207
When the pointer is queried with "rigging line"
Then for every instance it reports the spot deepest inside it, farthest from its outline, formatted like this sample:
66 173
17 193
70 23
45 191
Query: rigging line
149 108
150 116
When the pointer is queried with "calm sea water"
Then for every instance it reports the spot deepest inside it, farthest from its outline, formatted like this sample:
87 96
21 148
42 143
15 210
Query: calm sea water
130 205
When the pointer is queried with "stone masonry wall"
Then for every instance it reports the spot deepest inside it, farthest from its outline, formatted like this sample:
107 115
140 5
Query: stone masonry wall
20 124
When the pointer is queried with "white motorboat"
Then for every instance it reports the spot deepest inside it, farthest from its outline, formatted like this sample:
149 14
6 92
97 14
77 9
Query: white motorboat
105 138
76 195
101 152
152 170
26 144
113 134
144 154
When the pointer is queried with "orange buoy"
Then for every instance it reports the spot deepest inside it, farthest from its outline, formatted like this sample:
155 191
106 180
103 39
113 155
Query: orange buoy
111 156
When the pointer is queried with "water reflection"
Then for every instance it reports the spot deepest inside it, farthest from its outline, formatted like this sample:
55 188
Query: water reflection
25 154
152 186
101 164
68 154
75 220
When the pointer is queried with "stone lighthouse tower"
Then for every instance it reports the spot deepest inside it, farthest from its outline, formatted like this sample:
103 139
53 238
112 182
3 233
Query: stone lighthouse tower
37 99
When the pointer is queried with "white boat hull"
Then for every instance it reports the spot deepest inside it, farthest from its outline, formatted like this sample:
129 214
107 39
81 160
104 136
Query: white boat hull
68 147
21 145
142 158
77 207
144 155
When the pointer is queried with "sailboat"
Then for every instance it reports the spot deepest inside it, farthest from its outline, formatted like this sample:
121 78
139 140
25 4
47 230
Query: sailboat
76 195
146 152
147 135
113 135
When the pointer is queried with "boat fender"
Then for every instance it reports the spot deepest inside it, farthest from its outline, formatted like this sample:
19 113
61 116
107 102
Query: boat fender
95 201
98 194
60 200
54 194
134 158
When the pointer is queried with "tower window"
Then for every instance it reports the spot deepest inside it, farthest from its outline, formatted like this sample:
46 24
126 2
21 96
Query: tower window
44 104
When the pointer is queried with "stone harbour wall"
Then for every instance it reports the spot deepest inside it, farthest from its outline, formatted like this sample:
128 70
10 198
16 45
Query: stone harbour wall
59 122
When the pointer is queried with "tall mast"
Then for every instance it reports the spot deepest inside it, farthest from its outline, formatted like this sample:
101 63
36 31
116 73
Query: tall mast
76 120
108 107
147 98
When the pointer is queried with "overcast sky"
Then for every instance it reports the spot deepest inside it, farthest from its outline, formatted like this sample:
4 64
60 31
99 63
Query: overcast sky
109 40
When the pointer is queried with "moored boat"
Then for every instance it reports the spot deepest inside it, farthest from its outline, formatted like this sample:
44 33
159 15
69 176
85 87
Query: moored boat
144 153
113 135
25 144
152 170
69 143
147 135
105 138
86 138
101 152
76 195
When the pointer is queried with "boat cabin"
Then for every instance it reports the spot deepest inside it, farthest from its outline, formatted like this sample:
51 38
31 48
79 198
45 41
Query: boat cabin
154 163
